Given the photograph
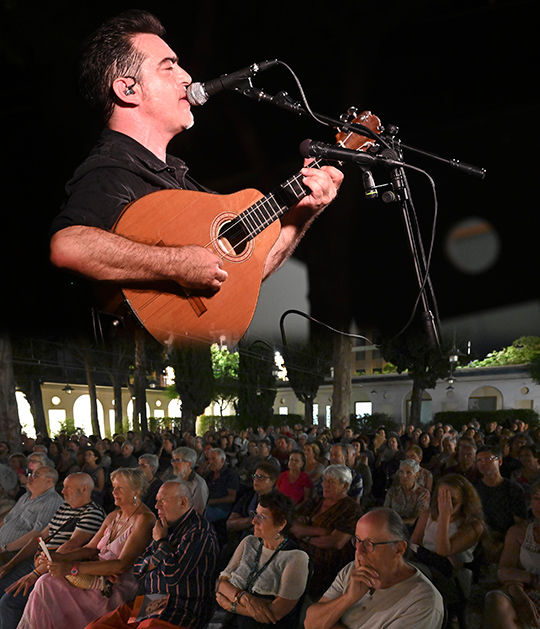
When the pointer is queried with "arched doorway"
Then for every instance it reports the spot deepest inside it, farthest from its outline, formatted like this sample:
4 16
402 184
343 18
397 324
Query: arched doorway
486 398
82 415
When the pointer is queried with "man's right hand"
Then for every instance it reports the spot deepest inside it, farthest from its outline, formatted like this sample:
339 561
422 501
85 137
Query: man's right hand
198 268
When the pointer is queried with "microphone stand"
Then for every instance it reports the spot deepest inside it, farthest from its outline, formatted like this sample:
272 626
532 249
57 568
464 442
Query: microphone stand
392 149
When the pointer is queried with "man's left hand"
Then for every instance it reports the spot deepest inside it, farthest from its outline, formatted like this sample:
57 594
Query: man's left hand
324 184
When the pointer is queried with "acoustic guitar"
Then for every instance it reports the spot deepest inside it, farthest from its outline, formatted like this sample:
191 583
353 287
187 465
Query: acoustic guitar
241 228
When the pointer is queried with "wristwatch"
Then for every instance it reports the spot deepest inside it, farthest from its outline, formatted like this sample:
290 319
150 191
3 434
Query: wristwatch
233 608
74 570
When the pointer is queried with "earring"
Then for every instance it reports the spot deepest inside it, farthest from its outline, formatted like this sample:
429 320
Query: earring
279 535
134 500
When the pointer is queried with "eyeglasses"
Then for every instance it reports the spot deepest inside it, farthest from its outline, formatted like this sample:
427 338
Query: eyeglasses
257 516
487 458
258 476
34 475
368 546
177 460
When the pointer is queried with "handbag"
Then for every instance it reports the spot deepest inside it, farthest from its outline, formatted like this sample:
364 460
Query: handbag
86 581
435 562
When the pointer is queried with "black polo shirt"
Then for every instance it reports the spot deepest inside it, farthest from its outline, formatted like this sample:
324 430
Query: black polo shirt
117 171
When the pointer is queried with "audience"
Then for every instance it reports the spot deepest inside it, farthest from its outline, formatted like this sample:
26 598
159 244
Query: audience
336 461
74 524
107 559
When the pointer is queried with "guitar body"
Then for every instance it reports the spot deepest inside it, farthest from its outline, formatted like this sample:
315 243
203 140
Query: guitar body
181 217
241 228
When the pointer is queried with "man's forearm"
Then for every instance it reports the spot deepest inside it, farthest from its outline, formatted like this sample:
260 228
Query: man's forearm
98 254
326 613
101 255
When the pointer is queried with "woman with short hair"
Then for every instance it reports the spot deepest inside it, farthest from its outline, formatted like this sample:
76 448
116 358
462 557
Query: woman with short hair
325 525
267 575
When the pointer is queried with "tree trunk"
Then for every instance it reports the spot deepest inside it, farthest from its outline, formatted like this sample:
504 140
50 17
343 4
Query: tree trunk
35 399
308 411
118 410
9 414
93 396
416 405
140 420
341 398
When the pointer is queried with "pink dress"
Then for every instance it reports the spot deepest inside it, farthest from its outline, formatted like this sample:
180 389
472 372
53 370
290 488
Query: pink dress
54 603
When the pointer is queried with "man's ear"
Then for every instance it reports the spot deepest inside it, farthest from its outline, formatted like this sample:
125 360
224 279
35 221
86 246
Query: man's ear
401 547
126 89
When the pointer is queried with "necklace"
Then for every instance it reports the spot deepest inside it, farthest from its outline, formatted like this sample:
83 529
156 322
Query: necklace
115 532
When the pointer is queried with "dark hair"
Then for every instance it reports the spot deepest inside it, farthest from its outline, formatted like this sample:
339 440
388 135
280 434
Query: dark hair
301 455
96 454
494 449
270 468
109 53
280 506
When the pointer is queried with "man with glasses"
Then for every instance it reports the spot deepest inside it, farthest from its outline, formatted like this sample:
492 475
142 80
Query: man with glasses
264 480
379 588
183 461
33 511
503 500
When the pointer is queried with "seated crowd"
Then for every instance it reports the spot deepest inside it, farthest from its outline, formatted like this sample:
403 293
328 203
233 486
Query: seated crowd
274 526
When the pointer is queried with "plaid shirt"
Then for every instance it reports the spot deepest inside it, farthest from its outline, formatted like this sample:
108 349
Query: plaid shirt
183 566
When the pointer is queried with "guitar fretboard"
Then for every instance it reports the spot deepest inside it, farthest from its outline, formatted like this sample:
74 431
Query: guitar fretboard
271 207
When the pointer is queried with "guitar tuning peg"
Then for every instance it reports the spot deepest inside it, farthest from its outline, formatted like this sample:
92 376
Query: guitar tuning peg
351 114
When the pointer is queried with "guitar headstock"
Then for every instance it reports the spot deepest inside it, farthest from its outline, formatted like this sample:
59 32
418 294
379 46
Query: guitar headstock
358 142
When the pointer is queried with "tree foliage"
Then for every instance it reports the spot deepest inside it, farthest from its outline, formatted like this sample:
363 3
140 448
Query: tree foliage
225 367
524 351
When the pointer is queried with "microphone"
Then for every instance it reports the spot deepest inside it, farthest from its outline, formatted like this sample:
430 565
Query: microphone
199 93
309 148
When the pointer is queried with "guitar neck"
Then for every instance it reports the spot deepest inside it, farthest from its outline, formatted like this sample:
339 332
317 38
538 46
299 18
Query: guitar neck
274 205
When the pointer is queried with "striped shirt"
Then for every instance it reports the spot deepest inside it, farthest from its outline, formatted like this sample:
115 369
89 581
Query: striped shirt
67 520
29 514
183 566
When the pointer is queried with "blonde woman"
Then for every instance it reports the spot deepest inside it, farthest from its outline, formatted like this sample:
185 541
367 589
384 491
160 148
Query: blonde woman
111 553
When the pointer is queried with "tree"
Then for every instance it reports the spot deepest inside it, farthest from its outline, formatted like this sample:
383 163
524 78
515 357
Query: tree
425 365
194 380
341 397
257 373
9 415
307 366
524 351
225 366
28 364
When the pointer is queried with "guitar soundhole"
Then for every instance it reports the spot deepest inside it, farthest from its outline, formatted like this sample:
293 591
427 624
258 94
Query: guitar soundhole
232 238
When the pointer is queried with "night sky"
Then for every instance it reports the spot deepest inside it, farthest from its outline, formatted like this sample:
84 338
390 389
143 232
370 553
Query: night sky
457 78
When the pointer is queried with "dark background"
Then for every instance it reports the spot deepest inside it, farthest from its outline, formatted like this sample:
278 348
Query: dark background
458 79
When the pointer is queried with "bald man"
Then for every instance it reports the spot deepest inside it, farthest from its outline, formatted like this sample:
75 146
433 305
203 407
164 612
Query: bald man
75 523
